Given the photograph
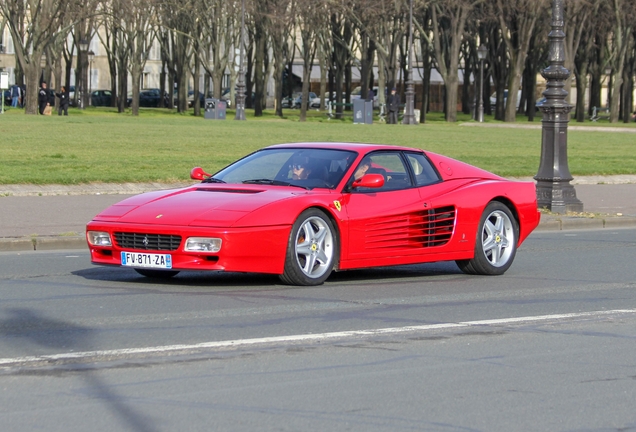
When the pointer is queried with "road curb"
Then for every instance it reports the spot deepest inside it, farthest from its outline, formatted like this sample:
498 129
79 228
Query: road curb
565 223
42 243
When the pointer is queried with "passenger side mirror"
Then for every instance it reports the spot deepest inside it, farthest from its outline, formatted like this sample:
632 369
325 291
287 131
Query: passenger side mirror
369 181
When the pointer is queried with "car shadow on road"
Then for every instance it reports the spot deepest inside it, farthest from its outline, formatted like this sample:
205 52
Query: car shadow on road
31 331
223 280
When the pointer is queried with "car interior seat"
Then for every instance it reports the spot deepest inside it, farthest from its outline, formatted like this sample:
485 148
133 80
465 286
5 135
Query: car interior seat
319 172
382 171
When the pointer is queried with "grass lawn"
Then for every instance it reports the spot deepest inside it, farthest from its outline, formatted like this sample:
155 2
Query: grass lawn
100 145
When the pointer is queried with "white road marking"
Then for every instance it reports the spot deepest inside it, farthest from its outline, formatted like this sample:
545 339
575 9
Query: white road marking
24 361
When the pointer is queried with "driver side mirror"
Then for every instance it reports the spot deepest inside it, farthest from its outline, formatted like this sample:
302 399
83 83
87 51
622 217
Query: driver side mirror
369 181
197 173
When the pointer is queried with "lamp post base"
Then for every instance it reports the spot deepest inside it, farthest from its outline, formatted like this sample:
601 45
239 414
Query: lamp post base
558 196
409 106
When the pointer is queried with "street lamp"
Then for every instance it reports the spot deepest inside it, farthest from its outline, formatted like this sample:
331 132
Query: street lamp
554 190
482 52
91 56
409 113
240 86
83 47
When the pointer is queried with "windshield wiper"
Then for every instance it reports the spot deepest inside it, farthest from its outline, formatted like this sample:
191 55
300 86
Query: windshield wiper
271 182
212 180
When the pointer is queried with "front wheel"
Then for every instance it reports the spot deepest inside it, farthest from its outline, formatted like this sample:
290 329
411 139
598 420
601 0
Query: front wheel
496 243
311 251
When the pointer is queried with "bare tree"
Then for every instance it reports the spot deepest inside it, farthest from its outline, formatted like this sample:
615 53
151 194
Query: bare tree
136 25
309 21
260 56
577 16
517 21
584 56
281 17
422 21
110 40
449 23
619 45
219 37
627 98
380 28
43 19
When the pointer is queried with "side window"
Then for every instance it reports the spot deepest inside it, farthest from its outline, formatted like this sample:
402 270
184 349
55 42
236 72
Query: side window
390 165
424 172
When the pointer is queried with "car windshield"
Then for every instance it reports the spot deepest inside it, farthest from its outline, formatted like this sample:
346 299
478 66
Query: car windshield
304 167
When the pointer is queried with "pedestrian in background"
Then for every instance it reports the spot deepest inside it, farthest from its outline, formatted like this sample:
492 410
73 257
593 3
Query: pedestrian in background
394 106
63 96
43 97
16 96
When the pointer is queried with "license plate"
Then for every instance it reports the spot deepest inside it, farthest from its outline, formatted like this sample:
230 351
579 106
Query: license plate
146 260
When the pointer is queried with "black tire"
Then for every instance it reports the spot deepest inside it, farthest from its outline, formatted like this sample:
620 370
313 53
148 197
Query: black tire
157 274
496 242
312 250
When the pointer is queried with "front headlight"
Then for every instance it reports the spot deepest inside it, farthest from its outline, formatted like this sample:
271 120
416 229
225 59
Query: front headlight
98 238
203 244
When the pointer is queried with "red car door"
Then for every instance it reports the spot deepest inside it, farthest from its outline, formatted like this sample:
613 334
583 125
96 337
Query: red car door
385 223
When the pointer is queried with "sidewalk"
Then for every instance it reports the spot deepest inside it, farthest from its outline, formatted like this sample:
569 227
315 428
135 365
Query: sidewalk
54 217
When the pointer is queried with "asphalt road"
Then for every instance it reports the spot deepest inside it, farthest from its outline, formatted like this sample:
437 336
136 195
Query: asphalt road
548 346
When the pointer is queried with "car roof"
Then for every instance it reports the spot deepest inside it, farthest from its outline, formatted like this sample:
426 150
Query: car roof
357 147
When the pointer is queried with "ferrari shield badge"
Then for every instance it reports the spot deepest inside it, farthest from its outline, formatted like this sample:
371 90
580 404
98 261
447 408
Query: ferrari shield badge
337 204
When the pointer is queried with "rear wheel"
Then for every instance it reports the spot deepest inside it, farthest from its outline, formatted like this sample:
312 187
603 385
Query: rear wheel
311 251
157 274
496 244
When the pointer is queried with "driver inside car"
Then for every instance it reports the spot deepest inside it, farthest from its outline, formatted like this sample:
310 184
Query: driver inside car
300 169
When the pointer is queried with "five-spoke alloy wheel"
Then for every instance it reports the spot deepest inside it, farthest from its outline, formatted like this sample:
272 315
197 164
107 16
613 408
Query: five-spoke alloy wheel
496 243
312 249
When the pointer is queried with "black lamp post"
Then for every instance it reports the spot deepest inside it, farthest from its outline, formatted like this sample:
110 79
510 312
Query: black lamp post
554 190
83 47
482 52
240 86
409 113
91 56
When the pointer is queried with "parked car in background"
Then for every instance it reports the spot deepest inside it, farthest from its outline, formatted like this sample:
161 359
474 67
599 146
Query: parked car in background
71 95
357 92
227 97
288 101
150 98
7 98
299 98
493 99
191 99
101 98
315 102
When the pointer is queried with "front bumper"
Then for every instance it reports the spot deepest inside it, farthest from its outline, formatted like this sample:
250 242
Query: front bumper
255 249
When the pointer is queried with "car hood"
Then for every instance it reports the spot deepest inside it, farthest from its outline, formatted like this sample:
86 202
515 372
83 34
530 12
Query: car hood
200 205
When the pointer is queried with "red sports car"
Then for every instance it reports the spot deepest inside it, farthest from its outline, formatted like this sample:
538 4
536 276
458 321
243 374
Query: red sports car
303 210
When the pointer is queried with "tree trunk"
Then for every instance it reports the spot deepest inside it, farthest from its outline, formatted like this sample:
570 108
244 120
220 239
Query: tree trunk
135 75
581 89
32 74
259 65
196 102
